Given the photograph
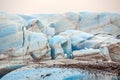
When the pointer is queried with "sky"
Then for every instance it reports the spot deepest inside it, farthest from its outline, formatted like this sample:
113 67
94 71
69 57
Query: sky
59 6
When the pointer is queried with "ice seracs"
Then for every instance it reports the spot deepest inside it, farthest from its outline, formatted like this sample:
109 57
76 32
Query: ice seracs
57 35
